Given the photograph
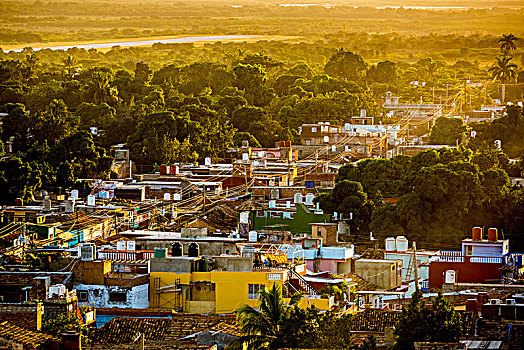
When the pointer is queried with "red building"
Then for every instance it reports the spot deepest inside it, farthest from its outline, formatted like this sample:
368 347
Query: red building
464 269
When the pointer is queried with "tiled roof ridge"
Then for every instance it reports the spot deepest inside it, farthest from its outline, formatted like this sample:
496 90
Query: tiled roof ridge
25 336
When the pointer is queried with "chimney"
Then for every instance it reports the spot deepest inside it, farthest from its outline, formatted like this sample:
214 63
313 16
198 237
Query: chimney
71 341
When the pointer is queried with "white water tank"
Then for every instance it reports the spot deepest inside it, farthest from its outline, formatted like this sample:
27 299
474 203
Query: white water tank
402 244
309 198
391 245
121 245
362 113
207 161
297 198
252 236
130 245
91 200
449 277
245 156
248 251
70 205
74 194
176 197
167 196
244 217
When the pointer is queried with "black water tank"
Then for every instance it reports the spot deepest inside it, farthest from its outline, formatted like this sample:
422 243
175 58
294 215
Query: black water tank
193 250
177 249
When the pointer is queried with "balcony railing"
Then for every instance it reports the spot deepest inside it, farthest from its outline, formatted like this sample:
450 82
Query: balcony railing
126 254
485 260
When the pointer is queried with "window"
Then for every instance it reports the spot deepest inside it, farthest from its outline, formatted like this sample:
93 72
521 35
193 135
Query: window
313 129
260 214
469 250
82 295
252 290
118 297
275 215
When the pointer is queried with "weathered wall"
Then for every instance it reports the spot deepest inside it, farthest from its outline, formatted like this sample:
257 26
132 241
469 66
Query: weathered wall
137 297
200 307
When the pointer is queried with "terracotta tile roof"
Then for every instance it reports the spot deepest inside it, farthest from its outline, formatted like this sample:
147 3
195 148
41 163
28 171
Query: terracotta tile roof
30 339
128 330
150 346
374 320
227 327
123 330
362 284
184 325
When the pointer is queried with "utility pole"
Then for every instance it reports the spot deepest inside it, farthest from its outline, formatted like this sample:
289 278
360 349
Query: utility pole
415 267
204 213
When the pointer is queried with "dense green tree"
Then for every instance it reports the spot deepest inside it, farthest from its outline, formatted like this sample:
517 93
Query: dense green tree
384 72
347 65
448 131
419 323
53 124
15 127
18 179
99 88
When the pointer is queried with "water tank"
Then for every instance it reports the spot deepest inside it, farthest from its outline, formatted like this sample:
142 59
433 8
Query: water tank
402 244
309 198
245 156
449 277
252 236
174 169
297 198
492 234
70 205
477 233
74 194
163 169
193 250
91 200
160 253
248 251
130 245
177 249
121 245
47 203
207 161
272 204
362 113
391 245
167 196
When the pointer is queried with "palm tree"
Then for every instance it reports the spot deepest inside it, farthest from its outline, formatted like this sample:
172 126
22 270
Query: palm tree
99 89
504 71
262 327
507 43
70 66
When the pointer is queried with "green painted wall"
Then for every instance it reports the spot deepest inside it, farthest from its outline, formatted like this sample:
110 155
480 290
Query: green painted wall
299 224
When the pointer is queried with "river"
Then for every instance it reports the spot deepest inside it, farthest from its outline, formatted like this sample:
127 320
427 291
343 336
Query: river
186 39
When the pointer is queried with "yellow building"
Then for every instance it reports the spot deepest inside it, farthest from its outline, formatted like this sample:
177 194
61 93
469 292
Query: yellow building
215 284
